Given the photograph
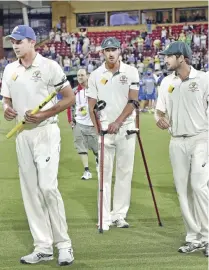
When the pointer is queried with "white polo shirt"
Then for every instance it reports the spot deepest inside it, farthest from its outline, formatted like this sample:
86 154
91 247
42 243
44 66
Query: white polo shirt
28 87
186 105
114 90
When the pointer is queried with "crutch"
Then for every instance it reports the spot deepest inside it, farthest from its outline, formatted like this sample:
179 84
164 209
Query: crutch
136 131
98 107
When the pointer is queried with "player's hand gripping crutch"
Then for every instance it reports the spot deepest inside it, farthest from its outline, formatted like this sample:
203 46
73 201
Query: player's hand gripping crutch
98 107
20 125
136 131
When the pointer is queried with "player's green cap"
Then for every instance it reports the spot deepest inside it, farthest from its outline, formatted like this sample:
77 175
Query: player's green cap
178 48
110 42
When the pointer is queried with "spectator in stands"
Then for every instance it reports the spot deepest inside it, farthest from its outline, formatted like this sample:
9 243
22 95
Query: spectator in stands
5 62
90 67
52 51
57 37
85 46
157 63
186 27
79 47
196 40
92 47
163 35
203 40
182 36
167 41
46 51
52 34
157 44
140 66
148 42
170 32
67 64
189 38
64 36
140 44
73 47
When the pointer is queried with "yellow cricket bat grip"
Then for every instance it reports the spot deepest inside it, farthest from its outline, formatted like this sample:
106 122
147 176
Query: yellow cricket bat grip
38 108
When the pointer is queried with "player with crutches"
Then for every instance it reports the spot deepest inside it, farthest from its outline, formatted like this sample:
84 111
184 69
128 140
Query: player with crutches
28 85
117 84
137 132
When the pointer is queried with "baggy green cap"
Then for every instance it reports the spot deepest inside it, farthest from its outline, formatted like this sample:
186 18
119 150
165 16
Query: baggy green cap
110 42
178 48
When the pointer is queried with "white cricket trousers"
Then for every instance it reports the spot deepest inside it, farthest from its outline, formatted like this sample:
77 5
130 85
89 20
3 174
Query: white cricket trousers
38 153
123 147
189 159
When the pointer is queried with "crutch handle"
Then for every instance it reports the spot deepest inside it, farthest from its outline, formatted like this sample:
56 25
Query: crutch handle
132 131
103 132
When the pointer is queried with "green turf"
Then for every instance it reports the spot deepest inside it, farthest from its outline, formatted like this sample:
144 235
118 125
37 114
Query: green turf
143 246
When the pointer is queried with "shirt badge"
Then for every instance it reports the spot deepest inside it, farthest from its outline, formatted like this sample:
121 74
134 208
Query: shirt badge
193 86
14 77
103 81
170 88
123 79
36 76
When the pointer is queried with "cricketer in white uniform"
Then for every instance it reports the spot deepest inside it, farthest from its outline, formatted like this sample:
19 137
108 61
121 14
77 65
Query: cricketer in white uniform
117 84
26 83
85 136
182 109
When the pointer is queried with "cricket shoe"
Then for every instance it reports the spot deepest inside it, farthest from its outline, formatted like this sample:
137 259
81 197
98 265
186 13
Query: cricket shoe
36 257
120 223
86 175
65 256
189 247
206 250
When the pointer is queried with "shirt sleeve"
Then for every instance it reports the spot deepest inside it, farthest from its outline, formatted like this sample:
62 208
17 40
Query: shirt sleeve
57 76
161 100
134 79
92 91
5 92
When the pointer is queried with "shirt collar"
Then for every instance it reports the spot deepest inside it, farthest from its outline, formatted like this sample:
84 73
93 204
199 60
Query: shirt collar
192 74
121 68
36 61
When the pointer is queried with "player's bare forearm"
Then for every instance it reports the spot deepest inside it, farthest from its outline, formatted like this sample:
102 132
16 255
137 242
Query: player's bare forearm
129 108
68 100
9 112
92 102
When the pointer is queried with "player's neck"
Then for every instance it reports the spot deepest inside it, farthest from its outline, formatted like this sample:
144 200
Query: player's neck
28 59
183 71
83 85
113 67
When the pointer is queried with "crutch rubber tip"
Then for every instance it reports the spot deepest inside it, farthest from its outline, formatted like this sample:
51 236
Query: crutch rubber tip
100 230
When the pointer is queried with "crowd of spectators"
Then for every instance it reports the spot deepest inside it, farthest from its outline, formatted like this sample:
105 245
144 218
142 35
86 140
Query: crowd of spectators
140 50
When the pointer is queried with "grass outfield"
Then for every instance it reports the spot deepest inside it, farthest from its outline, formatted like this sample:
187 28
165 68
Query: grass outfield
144 246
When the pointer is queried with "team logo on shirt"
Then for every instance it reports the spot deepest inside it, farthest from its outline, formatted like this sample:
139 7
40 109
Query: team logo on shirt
193 86
123 79
36 76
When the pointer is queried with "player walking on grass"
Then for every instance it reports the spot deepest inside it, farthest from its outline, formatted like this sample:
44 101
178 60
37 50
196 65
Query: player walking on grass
117 84
26 83
182 109
85 136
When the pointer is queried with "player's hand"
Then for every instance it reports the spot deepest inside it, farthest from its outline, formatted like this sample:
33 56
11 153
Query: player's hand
9 114
36 118
114 127
72 124
163 123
